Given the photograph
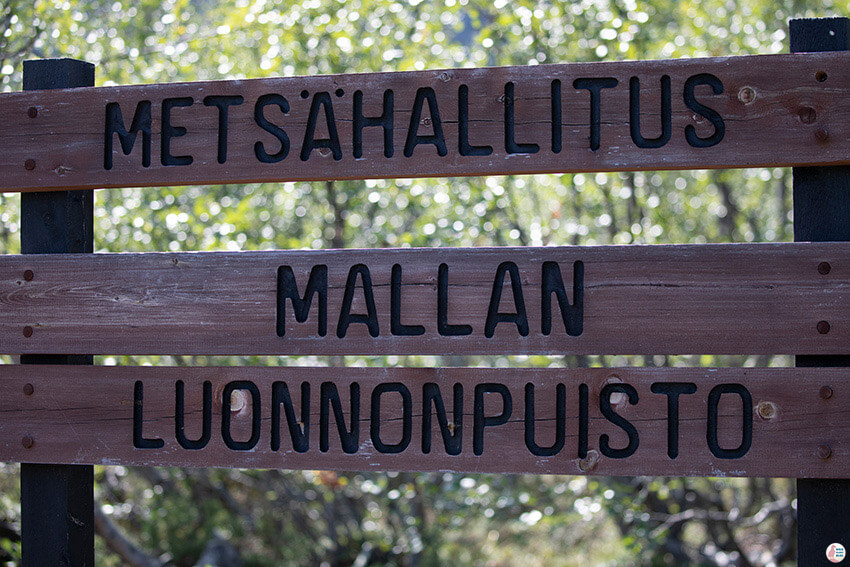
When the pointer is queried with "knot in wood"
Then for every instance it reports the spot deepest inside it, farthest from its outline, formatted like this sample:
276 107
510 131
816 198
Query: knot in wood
588 463
747 95
766 410
807 114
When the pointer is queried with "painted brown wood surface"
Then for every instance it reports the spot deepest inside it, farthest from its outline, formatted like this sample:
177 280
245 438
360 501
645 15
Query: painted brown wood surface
665 299
777 110
85 415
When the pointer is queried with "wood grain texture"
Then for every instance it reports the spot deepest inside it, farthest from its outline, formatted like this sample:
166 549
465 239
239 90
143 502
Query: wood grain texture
774 108
85 415
671 299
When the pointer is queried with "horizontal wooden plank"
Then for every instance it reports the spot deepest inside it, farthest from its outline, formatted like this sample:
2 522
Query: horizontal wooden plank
689 113
791 298
781 422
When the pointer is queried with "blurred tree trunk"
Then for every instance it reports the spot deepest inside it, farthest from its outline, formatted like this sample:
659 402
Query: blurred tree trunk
219 553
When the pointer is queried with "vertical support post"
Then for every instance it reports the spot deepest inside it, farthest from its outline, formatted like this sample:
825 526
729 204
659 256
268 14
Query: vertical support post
57 501
821 213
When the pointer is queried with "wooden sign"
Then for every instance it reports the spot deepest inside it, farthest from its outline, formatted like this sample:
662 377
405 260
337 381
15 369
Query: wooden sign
662 421
680 299
613 116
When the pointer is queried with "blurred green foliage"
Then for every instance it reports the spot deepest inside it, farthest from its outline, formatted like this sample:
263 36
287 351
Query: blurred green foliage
318 517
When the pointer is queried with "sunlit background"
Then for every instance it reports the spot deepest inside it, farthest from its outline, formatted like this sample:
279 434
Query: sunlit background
172 516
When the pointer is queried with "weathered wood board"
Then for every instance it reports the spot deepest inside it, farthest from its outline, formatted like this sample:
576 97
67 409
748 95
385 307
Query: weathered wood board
789 422
791 298
610 116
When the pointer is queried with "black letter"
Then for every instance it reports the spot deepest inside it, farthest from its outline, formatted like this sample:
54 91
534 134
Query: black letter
666 114
169 131
139 441
299 431
115 125
583 408
493 315
413 138
511 146
226 415
672 390
330 396
595 87
443 326
180 418
463 144
712 115
747 418
556 116
345 316
560 422
273 129
617 419
480 421
288 289
406 417
452 432
385 120
222 102
322 99
396 326
572 314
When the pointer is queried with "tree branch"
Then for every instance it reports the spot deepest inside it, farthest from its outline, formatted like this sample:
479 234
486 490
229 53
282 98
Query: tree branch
116 541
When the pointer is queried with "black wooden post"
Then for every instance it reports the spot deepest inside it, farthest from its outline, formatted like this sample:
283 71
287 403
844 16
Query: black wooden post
57 501
821 213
